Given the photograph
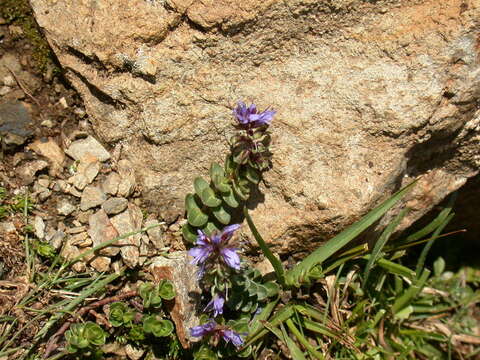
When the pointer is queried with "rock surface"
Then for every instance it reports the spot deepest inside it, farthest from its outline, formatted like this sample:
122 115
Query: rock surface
369 96
185 311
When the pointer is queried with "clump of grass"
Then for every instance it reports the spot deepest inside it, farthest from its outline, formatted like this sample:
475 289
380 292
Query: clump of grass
19 12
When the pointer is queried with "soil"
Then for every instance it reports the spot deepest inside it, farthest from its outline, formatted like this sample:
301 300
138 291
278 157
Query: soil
54 107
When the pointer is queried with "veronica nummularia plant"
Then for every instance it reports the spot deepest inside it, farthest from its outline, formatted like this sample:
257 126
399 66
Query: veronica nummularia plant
301 305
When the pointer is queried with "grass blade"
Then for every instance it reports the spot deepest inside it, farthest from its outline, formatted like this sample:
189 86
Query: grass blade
428 245
406 298
381 243
293 277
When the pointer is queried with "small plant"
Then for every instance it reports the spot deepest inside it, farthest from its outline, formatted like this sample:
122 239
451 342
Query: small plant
325 304
211 206
44 249
120 315
85 338
20 203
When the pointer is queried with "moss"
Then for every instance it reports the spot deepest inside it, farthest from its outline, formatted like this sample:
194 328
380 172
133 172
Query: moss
19 12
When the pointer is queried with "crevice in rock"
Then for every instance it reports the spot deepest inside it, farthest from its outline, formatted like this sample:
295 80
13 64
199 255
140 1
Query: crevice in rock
93 60
99 94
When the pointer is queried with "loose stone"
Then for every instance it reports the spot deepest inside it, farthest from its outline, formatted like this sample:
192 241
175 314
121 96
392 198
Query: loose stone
79 148
92 196
115 205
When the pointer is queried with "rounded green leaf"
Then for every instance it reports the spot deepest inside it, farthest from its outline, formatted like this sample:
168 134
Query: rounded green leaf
222 215
166 290
163 328
262 292
209 198
210 228
205 353
197 218
116 313
189 233
221 184
239 192
94 333
230 199
216 170
200 184
149 323
272 288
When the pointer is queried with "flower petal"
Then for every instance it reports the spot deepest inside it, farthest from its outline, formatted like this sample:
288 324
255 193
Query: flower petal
228 231
231 257
200 254
202 238
216 304
234 337
202 330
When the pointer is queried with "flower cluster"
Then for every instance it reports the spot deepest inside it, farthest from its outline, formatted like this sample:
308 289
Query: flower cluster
210 250
249 118
216 331
209 253
250 146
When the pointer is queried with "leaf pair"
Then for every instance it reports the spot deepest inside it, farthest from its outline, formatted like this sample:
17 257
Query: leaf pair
152 295
84 336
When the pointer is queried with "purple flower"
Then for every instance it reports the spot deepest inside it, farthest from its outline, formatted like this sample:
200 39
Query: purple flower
214 247
216 304
216 331
202 330
230 335
249 118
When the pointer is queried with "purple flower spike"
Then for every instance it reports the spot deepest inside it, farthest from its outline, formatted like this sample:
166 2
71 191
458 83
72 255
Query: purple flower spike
216 304
211 248
249 118
217 331
230 335
202 330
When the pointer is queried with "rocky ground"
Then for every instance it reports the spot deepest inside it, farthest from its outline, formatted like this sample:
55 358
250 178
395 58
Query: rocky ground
79 193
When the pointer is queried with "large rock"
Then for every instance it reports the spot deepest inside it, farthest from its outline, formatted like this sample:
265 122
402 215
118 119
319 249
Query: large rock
370 94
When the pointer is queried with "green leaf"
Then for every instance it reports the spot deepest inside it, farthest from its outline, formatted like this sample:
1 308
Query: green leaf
404 313
230 199
166 289
293 277
149 294
221 215
159 328
205 353
407 297
252 175
216 170
189 233
439 266
94 333
272 288
381 243
197 218
136 333
210 228
209 198
221 184
428 245
239 191
200 184
262 292
116 313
